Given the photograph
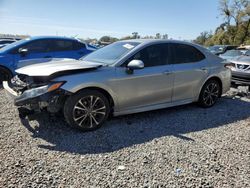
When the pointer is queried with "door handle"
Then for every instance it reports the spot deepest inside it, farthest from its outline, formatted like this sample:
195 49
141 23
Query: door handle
204 69
167 72
47 56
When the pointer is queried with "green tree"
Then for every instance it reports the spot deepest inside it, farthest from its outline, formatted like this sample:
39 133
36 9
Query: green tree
165 36
158 36
203 37
235 29
108 39
135 35
236 14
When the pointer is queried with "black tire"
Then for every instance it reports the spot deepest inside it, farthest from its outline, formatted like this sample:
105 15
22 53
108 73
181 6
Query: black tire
210 93
5 75
87 110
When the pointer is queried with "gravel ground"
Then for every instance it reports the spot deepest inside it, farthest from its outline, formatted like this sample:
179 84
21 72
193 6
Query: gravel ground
186 146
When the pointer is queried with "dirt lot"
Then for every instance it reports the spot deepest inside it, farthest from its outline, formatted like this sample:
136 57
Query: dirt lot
185 146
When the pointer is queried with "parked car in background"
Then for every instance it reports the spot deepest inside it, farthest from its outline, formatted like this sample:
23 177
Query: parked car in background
39 47
4 42
241 70
244 47
221 49
11 38
122 78
231 54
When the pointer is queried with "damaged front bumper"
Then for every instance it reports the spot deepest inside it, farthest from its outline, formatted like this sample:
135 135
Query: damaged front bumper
38 99
241 78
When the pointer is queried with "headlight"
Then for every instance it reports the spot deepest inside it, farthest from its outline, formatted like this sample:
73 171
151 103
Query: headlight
35 92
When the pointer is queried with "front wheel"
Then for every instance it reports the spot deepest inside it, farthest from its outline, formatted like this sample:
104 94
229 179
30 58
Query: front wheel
86 110
209 93
5 75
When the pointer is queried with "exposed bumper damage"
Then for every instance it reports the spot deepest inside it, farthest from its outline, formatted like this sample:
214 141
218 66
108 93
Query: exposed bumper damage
32 101
33 89
241 78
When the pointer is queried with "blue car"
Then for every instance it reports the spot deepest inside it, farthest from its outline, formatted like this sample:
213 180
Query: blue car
37 48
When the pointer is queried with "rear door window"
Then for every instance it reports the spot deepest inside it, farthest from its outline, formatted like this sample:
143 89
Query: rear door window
182 53
62 45
79 45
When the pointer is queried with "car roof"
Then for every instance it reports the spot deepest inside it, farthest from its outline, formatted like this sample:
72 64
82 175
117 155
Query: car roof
224 45
144 42
148 41
233 50
50 37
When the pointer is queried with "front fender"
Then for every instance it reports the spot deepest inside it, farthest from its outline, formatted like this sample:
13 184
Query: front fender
101 79
75 88
8 63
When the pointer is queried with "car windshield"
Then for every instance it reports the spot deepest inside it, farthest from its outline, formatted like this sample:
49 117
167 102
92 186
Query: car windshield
247 53
216 48
233 53
13 45
110 54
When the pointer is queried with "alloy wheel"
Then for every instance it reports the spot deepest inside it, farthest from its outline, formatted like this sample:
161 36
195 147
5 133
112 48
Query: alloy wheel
89 111
211 94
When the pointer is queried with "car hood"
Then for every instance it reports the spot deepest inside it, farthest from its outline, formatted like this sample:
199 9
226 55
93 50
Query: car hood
58 66
242 59
24 63
228 57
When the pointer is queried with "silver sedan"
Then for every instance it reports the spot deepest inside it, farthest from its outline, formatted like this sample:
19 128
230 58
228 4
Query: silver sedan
123 78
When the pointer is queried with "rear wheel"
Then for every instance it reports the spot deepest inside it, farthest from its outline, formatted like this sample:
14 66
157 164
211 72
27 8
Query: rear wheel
87 110
210 93
5 75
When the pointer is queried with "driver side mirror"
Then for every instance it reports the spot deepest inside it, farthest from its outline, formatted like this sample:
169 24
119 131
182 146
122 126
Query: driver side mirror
133 65
23 51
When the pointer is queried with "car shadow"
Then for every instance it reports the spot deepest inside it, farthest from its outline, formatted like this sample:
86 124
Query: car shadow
126 131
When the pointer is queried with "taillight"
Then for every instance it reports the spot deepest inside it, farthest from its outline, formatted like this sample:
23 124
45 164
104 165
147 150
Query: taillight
229 65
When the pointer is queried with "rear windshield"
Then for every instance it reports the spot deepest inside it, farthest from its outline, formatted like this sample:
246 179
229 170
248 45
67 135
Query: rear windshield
233 53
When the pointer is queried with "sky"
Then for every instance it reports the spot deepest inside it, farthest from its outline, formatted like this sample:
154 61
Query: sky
180 19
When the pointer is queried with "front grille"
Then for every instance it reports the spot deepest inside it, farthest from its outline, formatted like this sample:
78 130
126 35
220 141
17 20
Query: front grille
242 66
241 78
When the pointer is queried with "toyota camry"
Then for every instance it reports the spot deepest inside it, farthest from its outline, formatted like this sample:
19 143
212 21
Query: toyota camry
122 78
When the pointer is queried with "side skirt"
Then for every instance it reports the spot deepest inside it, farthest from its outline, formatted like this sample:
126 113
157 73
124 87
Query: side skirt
152 107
